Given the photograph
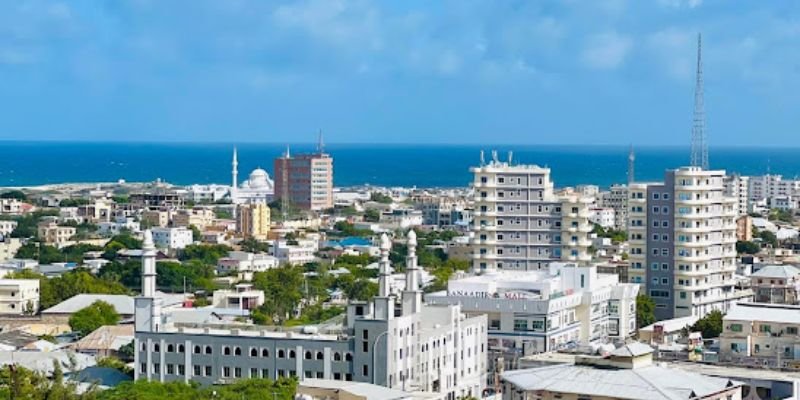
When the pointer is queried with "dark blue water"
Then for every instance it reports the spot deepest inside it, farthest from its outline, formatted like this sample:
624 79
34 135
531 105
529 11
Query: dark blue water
33 163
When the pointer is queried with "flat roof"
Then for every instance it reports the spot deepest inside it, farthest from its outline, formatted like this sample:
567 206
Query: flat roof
778 313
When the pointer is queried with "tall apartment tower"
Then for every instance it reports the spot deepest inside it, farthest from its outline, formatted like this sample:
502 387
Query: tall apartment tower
521 224
682 243
305 180
736 186
253 220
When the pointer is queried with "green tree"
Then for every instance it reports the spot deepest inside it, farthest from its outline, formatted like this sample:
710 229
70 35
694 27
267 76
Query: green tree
14 194
768 238
252 245
73 202
283 288
55 290
207 253
88 319
747 247
196 234
710 326
645 311
372 215
380 198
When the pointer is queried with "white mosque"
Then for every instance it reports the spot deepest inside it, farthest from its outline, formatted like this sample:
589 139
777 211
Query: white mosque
258 188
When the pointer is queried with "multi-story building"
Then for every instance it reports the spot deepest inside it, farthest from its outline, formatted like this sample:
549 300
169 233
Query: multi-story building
253 220
172 238
777 284
50 232
120 224
603 216
19 296
443 211
207 193
616 198
242 297
520 223
744 228
763 335
198 217
426 348
305 180
11 206
736 186
156 218
539 311
768 186
295 254
682 243
158 199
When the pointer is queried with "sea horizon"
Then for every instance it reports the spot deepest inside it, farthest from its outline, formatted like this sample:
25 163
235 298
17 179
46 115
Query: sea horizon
34 163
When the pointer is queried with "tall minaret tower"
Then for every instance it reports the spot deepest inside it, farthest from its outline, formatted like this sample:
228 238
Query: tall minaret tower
384 302
412 296
699 141
148 307
631 166
234 175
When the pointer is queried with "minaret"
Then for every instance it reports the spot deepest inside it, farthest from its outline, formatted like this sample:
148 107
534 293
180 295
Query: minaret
384 303
148 307
412 296
234 175
631 166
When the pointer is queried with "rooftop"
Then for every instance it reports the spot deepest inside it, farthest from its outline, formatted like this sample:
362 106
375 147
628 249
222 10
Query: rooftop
777 271
364 391
778 313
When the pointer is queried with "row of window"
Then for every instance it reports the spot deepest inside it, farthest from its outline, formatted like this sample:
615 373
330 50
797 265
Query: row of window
236 372
254 352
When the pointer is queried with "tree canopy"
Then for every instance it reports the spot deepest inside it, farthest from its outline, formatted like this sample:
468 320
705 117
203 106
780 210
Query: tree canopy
88 319
710 325
14 194
645 311
747 247
55 290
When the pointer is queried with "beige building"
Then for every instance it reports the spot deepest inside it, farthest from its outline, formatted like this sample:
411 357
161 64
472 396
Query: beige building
155 218
19 296
305 180
777 284
51 233
8 248
253 220
763 335
744 228
199 217
627 373
521 223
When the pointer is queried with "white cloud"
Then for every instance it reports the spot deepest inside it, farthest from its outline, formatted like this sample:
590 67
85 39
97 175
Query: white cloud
606 50
681 3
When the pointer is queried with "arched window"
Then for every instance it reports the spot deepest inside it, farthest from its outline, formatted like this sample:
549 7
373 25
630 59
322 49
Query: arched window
308 355
226 351
144 346
208 349
181 348
197 350
320 356
254 352
292 354
348 357
237 351
281 354
337 356
170 348
265 353
156 347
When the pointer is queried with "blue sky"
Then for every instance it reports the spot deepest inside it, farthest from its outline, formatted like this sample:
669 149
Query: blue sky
458 71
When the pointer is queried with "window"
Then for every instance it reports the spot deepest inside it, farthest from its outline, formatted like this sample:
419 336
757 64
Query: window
237 351
143 368
348 357
170 369
181 348
365 370
265 373
170 348
292 354
308 355
208 349
237 372
226 351
736 327
253 352
337 356
665 281
156 348
226 372
520 324
791 330
764 328
253 373
320 356
281 353
209 371
659 293
197 370
197 350
181 369
265 353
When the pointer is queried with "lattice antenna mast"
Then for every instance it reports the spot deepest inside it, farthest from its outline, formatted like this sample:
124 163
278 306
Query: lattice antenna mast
699 143
631 166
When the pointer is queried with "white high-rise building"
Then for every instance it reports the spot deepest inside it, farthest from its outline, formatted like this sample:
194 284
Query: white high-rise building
682 243
768 186
617 198
521 224
736 186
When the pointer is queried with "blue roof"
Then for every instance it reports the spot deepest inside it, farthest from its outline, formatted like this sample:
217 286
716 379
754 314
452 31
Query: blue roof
355 241
102 376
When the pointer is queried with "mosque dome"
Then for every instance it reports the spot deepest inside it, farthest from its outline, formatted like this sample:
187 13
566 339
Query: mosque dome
259 179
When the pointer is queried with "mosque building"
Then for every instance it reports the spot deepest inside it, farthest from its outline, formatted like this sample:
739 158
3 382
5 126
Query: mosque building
258 188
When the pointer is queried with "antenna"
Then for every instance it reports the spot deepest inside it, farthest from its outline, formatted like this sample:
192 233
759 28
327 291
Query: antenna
631 165
320 144
699 145
483 158
510 156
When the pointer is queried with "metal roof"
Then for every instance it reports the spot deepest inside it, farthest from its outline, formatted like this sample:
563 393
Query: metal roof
777 271
778 313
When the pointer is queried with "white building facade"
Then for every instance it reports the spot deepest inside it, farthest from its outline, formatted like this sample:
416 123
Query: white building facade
172 238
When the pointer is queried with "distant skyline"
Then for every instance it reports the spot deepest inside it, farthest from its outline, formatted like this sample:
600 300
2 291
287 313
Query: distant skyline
562 72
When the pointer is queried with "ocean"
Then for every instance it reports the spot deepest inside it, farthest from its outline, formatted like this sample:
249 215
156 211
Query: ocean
37 163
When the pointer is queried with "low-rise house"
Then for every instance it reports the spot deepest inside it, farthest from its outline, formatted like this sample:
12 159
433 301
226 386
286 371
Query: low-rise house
19 296
627 373
105 341
777 284
11 206
242 261
763 335
123 304
155 218
295 254
172 238
199 217
8 248
120 224
7 226
401 218
242 296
